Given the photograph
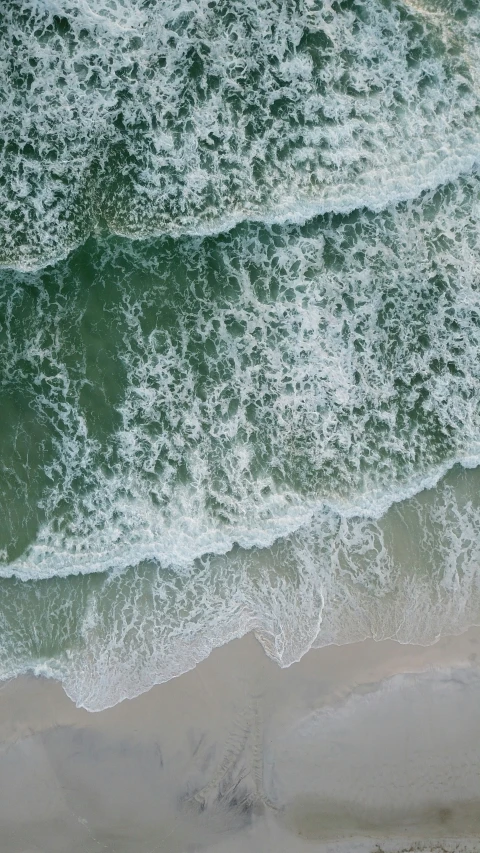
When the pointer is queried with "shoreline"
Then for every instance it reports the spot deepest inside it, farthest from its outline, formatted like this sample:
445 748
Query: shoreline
363 747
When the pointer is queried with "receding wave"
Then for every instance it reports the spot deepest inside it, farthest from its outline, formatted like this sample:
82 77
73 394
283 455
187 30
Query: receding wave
411 575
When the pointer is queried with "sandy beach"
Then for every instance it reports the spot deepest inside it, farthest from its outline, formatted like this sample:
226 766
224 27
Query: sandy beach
355 749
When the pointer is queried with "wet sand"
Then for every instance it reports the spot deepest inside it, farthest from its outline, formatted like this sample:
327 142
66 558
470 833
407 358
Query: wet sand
363 748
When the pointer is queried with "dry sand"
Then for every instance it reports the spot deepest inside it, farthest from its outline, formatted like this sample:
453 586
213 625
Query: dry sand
356 749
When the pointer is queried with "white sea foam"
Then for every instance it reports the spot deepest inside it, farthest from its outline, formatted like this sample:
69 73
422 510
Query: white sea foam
328 367
188 117
411 576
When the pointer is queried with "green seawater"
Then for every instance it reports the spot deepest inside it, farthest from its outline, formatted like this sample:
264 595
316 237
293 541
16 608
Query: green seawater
239 331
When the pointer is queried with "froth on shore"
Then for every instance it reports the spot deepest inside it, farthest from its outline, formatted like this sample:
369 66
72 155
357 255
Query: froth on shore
367 747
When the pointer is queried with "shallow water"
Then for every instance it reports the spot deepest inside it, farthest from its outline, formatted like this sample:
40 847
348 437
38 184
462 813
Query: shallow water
239 331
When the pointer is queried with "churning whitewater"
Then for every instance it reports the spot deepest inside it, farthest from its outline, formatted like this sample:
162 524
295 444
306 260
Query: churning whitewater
239 330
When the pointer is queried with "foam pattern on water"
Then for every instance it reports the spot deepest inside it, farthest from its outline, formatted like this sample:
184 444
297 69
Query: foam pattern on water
182 396
189 116
411 575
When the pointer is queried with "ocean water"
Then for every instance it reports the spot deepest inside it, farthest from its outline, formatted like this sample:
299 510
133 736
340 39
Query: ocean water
239 330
